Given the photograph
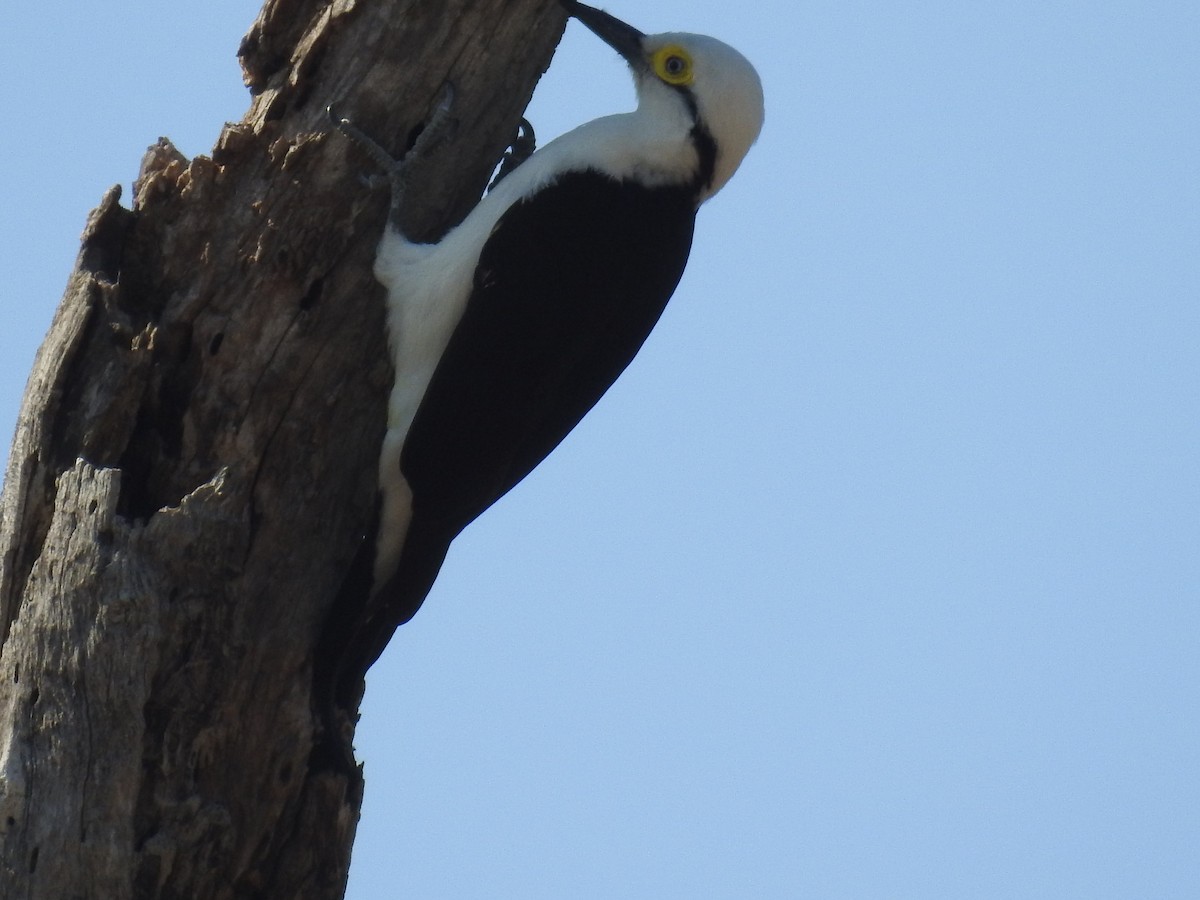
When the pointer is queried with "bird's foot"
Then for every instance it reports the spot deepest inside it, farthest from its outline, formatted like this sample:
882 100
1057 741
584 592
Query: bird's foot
435 130
519 149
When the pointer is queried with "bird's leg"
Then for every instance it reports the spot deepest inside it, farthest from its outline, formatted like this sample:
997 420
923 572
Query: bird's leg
519 149
397 170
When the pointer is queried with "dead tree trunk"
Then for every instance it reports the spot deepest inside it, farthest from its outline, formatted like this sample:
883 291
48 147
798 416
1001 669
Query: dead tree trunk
194 464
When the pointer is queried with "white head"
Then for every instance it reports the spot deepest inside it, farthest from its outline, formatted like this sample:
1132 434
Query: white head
709 92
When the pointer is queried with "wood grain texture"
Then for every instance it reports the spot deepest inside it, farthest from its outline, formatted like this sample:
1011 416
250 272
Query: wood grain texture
194 464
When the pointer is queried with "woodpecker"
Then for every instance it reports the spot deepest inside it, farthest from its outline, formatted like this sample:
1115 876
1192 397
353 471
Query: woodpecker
508 330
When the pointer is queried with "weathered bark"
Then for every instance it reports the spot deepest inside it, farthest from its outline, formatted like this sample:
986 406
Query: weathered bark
194 464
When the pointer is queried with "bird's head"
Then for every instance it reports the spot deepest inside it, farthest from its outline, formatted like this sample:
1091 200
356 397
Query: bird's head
693 78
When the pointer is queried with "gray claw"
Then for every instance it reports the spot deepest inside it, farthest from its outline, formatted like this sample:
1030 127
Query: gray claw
437 125
396 169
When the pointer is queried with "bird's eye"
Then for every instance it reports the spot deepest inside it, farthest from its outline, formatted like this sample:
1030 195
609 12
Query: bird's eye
673 65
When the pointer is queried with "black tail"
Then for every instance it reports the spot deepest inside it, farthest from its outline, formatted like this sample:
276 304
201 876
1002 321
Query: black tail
359 626
396 601
337 633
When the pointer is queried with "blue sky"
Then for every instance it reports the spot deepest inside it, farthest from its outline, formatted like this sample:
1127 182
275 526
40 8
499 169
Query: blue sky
878 573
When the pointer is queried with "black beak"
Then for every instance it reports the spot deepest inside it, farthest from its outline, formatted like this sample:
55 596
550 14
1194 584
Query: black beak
625 39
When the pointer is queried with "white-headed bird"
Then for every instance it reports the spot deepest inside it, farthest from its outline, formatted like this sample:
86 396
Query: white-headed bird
508 330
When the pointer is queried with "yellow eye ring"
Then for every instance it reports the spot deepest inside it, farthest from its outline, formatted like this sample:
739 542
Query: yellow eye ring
673 65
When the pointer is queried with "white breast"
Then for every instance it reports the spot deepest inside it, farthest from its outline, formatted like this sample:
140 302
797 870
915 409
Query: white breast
428 285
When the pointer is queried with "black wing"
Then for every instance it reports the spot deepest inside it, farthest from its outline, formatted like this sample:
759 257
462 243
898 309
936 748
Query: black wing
567 289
